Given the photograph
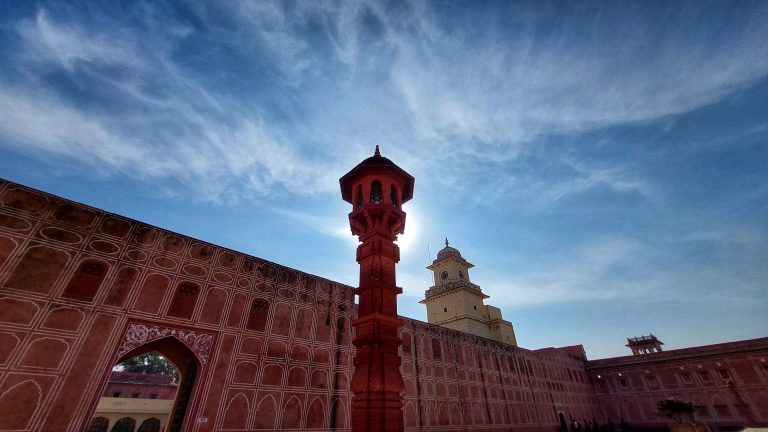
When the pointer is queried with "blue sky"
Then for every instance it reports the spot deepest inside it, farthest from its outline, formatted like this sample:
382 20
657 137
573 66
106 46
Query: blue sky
604 165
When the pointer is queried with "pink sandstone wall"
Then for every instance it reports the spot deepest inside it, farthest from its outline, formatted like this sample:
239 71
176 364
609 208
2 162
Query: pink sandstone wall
80 288
457 381
728 383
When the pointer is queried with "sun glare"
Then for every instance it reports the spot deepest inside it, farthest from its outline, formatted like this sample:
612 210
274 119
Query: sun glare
412 228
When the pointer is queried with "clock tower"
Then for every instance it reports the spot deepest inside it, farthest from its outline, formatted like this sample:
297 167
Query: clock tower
455 302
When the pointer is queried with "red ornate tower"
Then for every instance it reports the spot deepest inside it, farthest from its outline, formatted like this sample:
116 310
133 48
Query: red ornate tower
377 188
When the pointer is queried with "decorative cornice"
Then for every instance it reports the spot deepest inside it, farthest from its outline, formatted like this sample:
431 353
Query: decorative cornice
139 334
449 287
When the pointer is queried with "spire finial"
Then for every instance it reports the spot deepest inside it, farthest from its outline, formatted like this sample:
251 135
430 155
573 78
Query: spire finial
446 242
377 151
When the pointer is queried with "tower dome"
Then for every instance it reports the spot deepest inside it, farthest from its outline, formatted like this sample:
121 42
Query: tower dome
448 251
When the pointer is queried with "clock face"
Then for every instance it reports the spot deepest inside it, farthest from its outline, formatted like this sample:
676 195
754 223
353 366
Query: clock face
461 274
444 275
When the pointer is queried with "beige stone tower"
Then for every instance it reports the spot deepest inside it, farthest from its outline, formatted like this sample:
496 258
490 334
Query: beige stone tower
456 303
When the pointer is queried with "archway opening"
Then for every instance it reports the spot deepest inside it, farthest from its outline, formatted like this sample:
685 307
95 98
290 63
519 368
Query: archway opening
149 389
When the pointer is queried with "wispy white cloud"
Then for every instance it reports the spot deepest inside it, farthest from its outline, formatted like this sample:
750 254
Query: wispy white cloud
585 177
499 86
584 276
644 273
337 227
66 45
432 90
173 127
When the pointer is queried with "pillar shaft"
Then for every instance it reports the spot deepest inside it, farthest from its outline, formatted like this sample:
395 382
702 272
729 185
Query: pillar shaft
377 383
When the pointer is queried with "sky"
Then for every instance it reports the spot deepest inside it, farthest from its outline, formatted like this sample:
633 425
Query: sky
604 165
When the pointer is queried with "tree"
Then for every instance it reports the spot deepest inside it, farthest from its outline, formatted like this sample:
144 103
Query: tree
150 363
675 408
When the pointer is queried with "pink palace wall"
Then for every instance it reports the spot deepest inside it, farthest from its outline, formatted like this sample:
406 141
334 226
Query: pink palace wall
81 288
728 384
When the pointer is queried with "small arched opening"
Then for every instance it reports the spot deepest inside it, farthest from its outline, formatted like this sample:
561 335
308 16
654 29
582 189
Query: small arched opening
86 280
377 195
151 385
393 196
359 198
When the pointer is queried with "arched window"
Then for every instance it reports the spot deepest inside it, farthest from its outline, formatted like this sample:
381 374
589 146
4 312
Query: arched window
257 318
393 196
184 300
406 343
125 424
151 424
436 353
98 424
86 281
359 200
377 196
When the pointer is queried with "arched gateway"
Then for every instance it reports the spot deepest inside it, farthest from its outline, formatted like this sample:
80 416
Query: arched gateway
188 350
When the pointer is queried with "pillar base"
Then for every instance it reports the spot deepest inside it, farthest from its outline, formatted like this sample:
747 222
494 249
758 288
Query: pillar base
377 412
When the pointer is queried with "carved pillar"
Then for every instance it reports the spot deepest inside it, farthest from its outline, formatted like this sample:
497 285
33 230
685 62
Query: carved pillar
377 188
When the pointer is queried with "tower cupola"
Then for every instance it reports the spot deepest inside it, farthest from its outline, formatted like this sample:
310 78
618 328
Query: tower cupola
450 266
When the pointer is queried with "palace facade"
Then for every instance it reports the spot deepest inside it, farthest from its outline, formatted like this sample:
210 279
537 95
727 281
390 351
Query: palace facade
260 346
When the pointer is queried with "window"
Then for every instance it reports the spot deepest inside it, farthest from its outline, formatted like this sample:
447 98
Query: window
475 307
623 382
257 318
377 196
724 374
406 343
445 309
86 281
704 375
153 396
393 196
116 394
652 381
436 352
686 377
359 200
511 364
184 300
135 395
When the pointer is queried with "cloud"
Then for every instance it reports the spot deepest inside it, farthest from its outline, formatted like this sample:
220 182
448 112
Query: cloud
698 266
156 123
537 73
68 45
583 275
337 227
238 99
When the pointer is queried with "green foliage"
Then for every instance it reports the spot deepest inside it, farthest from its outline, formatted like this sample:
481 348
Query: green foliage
675 408
150 363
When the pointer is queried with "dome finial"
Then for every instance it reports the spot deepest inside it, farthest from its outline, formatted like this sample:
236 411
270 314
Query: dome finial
446 242
377 153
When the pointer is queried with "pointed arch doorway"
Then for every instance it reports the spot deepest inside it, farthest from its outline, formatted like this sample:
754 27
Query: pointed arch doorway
185 362
189 368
